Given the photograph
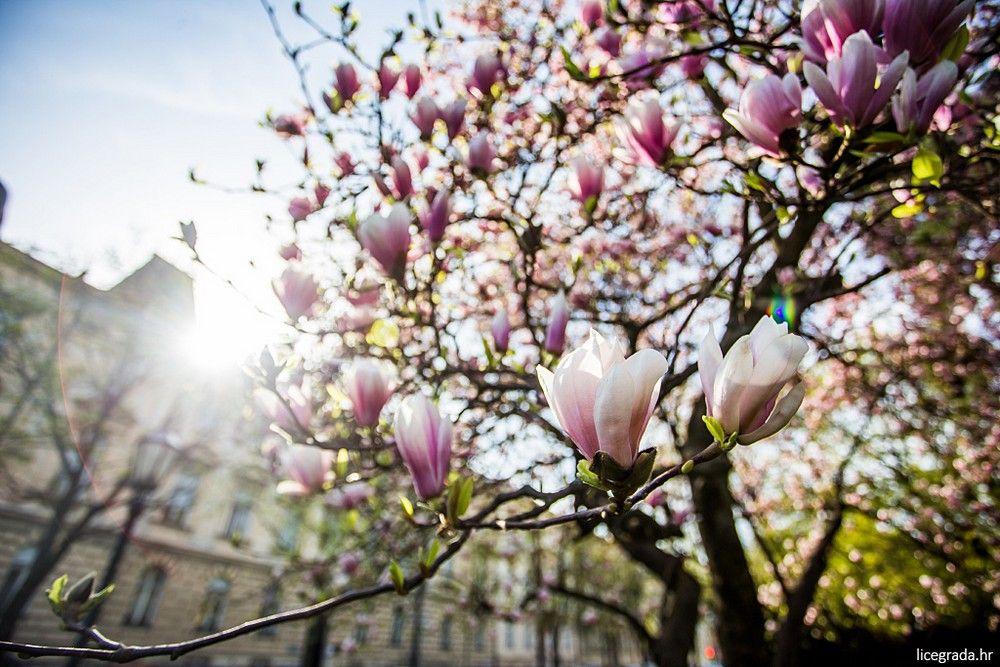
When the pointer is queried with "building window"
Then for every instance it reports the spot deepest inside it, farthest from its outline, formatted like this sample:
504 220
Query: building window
214 606
271 605
479 638
508 629
17 573
529 636
398 619
446 624
239 520
288 536
361 634
147 597
181 500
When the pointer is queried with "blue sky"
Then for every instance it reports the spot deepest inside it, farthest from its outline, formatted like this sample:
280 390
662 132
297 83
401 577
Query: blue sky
104 106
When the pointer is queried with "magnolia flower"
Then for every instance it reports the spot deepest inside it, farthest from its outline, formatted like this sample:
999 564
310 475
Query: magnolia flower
349 496
694 66
769 107
500 329
555 331
387 78
290 252
346 81
291 411
412 80
436 218
646 132
481 154
742 388
828 25
387 238
349 563
848 86
346 164
298 293
914 107
602 400
321 192
367 386
586 180
308 469
300 208
424 115
423 439
485 72
402 180
922 28
591 12
290 125
610 41
453 116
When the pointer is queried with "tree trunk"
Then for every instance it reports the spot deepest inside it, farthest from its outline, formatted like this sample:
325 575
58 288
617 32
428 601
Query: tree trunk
741 618
679 621
314 644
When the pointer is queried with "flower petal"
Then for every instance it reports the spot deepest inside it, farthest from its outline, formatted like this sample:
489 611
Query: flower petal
783 413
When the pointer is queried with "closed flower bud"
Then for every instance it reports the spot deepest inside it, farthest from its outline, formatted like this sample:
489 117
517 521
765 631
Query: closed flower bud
347 84
387 78
424 115
592 12
500 329
828 25
481 155
402 180
387 238
646 133
453 116
913 108
555 331
423 439
300 208
602 400
436 219
298 293
742 389
586 180
368 388
485 72
349 496
412 80
308 470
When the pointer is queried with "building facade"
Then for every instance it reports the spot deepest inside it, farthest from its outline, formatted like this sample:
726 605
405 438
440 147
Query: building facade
95 371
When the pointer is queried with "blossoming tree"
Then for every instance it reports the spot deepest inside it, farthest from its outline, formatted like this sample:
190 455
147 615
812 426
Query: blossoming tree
598 256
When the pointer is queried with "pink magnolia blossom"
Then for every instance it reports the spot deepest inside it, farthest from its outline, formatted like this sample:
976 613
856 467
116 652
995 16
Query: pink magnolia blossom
292 411
742 388
290 125
349 563
290 252
693 66
914 107
308 469
922 28
828 25
500 329
421 157
847 89
602 400
346 81
423 438
592 12
610 41
300 208
424 115
387 238
412 79
555 331
402 179
586 180
642 66
436 218
349 496
298 293
345 163
387 78
368 388
486 71
453 116
647 133
769 107
481 155
321 192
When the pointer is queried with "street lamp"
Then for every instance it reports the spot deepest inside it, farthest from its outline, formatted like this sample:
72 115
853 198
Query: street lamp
153 457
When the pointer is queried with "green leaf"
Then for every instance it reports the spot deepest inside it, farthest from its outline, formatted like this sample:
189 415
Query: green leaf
54 593
587 477
714 427
753 180
407 506
398 580
342 461
432 552
97 598
491 361
590 205
884 138
464 497
954 49
574 72
928 167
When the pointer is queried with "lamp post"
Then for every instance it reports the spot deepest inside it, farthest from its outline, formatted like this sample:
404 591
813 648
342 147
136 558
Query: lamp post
154 454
